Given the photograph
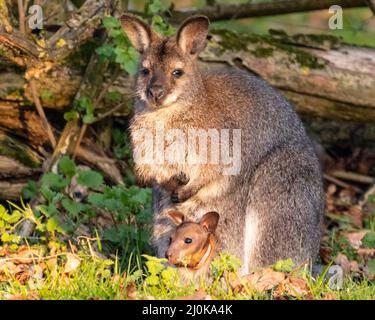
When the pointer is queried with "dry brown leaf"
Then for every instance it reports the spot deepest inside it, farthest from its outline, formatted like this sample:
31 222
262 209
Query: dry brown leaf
347 195
51 263
354 267
72 263
369 275
331 189
343 261
329 296
24 276
355 238
25 255
346 265
30 296
261 281
7 266
293 287
131 291
325 254
366 252
355 213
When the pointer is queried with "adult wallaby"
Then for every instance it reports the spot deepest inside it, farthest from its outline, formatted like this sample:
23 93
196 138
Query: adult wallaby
271 208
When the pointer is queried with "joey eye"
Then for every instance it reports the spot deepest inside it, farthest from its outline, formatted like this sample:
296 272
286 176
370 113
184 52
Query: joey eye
177 73
145 71
188 240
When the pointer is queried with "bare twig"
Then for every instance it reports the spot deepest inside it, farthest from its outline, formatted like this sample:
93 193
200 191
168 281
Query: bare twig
21 16
109 112
79 140
341 183
352 176
42 115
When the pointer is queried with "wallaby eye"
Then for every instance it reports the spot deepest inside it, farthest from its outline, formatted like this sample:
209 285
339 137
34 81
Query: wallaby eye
177 73
188 240
145 71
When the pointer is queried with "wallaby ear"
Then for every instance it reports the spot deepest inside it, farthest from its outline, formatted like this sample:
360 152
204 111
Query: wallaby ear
176 216
192 34
209 221
138 32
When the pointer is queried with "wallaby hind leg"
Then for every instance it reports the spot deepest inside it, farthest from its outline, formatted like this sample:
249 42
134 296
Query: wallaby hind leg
162 226
285 208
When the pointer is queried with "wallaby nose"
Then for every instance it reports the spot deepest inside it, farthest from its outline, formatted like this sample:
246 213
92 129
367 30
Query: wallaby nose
156 93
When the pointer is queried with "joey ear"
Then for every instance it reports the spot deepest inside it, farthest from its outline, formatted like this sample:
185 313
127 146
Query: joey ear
138 32
176 216
192 34
209 221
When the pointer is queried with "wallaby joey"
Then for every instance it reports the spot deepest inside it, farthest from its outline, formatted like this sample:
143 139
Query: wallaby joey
222 141
192 245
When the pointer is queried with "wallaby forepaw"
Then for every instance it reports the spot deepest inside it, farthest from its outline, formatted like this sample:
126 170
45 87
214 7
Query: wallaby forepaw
180 195
182 178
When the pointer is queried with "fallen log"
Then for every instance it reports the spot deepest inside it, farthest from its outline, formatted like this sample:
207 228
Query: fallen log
223 11
322 76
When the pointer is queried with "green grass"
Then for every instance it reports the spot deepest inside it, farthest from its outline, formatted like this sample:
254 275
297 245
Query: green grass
99 279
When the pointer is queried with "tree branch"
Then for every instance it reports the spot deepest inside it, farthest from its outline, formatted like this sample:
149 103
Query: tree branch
78 29
38 105
42 115
246 10
17 49
21 16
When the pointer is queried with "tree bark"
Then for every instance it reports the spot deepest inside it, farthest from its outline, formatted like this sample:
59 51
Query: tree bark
276 7
319 74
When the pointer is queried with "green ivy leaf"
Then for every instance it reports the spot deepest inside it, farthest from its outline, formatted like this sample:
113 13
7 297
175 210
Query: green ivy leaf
368 240
371 266
371 198
284 265
52 225
71 115
14 217
111 22
128 59
54 181
88 118
67 167
90 179
162 27
114 96
74 208
5 237
142 196
105 50
157 6
30 190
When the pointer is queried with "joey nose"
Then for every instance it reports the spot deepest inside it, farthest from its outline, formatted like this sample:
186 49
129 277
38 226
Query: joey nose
156 93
